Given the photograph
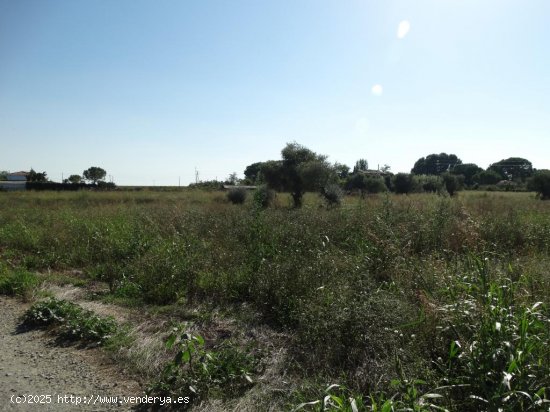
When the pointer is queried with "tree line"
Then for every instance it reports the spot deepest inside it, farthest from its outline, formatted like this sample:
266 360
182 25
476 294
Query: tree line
92 177
301 170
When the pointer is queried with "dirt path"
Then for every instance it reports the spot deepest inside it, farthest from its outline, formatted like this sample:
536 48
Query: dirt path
33 369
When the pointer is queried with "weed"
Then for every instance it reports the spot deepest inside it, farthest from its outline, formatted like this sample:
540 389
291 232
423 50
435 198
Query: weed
221 372
352 287
499 356
332 194
17 282
72 322
264 196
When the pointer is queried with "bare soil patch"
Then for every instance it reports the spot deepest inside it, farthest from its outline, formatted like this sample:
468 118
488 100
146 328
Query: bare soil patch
33 366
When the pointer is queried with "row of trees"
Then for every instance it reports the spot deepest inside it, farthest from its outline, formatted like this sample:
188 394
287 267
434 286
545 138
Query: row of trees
301 170
512 169
92 175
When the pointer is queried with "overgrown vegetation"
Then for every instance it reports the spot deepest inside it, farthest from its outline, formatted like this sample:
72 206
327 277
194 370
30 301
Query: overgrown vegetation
540 183
223 371
18 282
264 196
72 322
425 302
236 195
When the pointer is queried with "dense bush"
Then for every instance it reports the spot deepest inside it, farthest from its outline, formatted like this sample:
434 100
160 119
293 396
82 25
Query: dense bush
365 184
451 183
375 185
402 183
17 282
332 194
264 196
237 195
74 322
540 183
427 183
487 177
57 186
207 185
226 369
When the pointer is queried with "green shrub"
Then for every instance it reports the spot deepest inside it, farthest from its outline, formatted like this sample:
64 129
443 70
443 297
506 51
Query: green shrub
237 196
498 354
375 185
17 282
49 312
73 322
540 183
427 183
402 183
264 196
332 194
224 371
166 272
451 183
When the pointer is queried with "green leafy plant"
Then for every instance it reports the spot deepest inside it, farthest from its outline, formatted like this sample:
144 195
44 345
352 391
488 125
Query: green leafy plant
17 282
499 358
73 323
334 398
332 194
264 196
223 371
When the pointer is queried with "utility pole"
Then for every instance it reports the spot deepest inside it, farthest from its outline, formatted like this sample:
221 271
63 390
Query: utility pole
196 175
179 181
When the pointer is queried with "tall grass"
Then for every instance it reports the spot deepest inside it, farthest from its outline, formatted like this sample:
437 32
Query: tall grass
384 288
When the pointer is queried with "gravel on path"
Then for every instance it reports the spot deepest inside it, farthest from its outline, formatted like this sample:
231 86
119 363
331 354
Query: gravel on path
38 375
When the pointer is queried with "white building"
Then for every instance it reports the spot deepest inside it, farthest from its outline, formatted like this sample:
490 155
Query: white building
18 177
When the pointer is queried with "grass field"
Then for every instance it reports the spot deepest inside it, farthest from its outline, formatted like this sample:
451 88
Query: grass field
418 302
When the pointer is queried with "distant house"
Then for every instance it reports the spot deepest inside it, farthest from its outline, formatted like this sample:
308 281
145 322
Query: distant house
228 187
372 172
18 177
15 181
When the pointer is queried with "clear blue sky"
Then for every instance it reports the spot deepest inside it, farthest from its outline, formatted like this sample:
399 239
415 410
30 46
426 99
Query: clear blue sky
150 89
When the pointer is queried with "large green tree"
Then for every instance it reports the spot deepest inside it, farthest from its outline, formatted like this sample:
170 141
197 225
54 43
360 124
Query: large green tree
74 179
468 170
451 183
513 168
341 170
272 174
365 184
94 174
487 177
300 170
435 164
361 165
37 176
540 183
252 172
402 183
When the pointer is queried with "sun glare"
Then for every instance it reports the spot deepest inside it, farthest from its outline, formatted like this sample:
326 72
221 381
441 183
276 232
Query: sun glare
403 29
377 90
